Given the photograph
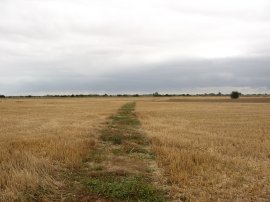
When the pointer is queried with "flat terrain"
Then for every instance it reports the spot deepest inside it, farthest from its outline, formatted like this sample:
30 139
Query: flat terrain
40 138
212 148
207 148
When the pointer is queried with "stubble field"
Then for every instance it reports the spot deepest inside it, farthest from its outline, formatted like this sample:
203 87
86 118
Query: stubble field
40 138
212 149
209 149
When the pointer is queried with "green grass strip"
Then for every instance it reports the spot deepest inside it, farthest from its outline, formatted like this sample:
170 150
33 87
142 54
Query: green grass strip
128 188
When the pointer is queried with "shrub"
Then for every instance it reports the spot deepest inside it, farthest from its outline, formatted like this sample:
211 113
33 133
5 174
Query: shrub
235 95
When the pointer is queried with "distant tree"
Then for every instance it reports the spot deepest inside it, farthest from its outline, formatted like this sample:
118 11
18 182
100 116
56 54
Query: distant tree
235 94
219 94
2 96
156 94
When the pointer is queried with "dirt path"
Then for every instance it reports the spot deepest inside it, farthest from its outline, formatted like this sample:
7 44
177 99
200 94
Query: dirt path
122 166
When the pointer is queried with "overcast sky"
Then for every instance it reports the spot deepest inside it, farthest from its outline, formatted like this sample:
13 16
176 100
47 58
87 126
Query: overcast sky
142 46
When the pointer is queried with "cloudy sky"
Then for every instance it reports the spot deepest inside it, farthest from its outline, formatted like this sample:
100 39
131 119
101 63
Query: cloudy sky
122 46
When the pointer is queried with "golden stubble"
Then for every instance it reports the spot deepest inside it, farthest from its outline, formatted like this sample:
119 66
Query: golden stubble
211 151
41 137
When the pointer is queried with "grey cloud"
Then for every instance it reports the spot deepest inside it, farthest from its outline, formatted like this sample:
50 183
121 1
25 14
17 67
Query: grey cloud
122 46
176 76
173 76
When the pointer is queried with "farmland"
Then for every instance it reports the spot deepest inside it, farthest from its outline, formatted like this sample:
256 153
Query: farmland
212 149
40 138
206 148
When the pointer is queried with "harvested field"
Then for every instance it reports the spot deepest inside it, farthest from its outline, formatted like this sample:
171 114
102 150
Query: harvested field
221 99
211 150
208 149
41 137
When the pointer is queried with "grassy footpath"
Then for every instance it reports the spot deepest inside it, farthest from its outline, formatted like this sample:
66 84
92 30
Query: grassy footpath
119 168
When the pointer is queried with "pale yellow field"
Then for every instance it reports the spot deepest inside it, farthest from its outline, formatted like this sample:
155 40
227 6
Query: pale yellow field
41 137
211 150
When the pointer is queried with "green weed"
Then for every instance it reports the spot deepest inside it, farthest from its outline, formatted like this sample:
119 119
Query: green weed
127 188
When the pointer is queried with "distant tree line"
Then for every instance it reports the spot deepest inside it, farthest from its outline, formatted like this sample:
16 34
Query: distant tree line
233 95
